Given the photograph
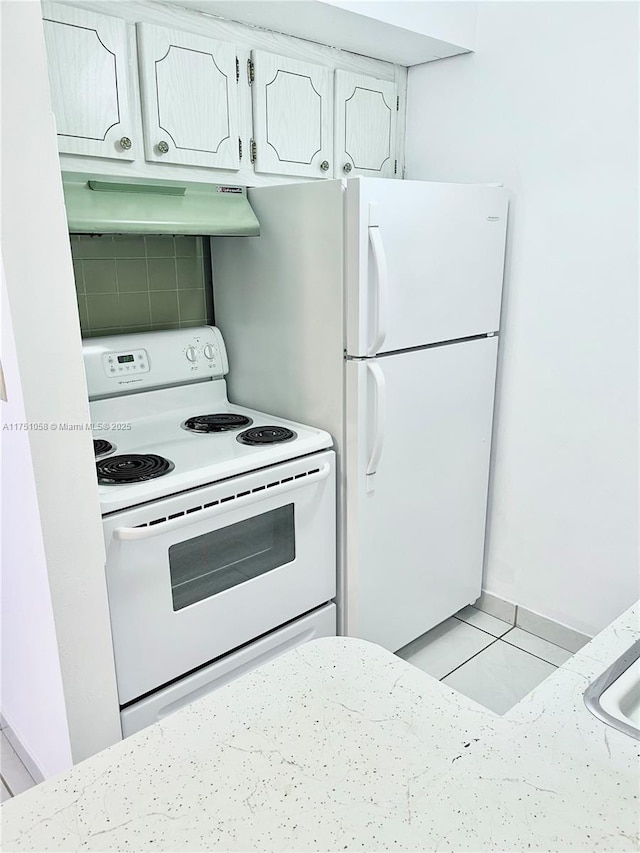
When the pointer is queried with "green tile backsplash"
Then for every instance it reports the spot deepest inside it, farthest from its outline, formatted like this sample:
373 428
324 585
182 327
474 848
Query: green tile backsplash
139 284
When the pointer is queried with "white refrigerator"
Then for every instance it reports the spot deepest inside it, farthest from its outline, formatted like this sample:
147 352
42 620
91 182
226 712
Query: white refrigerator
371 308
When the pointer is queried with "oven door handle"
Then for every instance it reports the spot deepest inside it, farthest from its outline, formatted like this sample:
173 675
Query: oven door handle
258 494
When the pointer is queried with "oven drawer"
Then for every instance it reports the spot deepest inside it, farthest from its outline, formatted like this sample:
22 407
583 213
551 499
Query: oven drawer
193 576
162 703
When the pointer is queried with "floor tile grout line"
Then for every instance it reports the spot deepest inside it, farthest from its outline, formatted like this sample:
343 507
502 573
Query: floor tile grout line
515 625
498 639
542 640
544 660
493 616
488 633
472 656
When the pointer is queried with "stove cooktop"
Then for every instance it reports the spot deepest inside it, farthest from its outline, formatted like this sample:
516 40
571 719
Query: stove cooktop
153 424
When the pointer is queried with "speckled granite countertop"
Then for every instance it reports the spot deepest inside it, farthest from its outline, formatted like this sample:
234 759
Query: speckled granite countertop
339 745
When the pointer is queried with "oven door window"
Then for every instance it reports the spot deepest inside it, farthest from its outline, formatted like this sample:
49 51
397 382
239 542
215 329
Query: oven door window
208 564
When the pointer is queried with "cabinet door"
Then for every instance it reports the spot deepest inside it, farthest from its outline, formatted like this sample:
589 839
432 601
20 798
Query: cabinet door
292 116
189 98
365 125
90 95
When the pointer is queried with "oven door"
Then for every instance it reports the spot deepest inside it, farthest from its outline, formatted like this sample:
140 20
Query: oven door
193 576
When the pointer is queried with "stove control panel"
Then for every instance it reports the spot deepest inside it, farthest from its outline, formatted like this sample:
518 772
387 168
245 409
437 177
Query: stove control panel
208 355
134 361
125 364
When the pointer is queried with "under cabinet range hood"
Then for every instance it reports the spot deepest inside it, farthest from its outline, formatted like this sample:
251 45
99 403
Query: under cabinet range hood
120 206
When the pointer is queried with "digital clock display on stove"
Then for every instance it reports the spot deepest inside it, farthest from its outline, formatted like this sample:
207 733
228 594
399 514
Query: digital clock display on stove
123 359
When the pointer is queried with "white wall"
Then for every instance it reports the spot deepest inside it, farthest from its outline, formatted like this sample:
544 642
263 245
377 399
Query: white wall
32 699
41 295
440 19
549 106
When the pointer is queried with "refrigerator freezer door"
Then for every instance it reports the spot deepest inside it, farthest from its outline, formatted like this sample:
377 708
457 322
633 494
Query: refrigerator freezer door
424 263
415 525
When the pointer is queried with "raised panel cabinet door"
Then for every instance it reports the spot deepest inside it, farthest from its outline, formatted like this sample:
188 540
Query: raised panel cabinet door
189 98
365 126
87 61
292 116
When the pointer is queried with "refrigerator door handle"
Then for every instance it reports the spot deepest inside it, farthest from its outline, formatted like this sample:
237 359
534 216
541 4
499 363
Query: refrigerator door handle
378 432
382 288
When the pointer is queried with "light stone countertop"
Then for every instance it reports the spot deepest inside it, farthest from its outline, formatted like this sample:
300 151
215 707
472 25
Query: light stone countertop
340 745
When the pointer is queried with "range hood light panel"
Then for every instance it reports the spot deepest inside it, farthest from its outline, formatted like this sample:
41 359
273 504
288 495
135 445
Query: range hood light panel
148 189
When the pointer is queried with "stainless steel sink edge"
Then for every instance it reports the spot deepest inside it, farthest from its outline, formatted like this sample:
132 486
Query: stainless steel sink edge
595 690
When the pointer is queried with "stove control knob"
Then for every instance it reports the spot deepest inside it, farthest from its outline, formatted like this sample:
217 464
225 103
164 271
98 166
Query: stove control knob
209 352
191 354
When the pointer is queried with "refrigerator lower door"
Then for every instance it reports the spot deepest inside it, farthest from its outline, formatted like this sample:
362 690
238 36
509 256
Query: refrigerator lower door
418 444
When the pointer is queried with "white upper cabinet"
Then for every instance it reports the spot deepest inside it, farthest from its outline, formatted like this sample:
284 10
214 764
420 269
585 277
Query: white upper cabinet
185 96
189 98
292 116
366 112
87 59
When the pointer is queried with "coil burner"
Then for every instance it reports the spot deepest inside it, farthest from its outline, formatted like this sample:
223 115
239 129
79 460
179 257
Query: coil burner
266 435
102 447
223 422
131 468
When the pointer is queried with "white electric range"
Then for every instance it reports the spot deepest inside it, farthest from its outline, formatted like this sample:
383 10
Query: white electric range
219 521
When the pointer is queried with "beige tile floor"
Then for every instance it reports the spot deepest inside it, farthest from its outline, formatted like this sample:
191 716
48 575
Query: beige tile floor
487 659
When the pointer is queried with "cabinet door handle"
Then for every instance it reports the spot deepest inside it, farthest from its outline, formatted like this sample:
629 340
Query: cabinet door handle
125 143
324 165
162 147
347 167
